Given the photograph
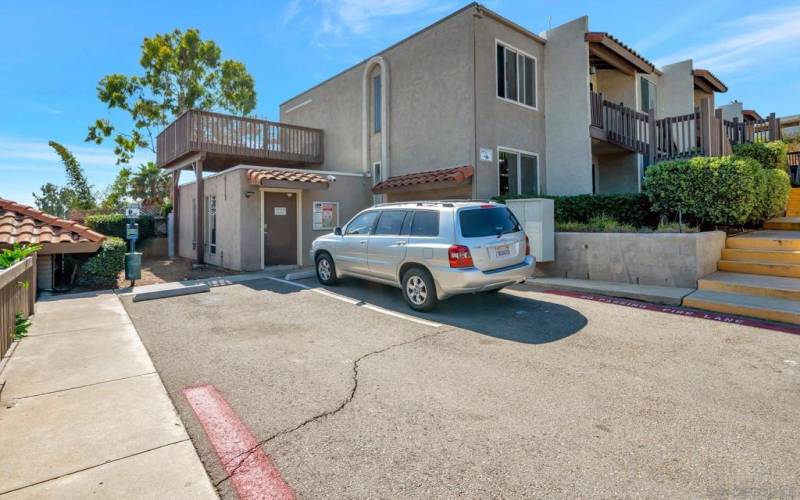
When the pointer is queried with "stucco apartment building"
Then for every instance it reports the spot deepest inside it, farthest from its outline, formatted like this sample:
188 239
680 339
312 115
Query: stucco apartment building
472 106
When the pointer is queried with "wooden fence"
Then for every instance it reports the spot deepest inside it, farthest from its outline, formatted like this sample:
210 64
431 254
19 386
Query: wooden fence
17 295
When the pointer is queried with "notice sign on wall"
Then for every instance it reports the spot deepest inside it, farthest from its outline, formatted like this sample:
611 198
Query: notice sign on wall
280 210
326 215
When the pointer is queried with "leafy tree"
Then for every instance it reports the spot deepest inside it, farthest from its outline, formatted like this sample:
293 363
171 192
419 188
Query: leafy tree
78 187
181 72
53 200
118 190
150 184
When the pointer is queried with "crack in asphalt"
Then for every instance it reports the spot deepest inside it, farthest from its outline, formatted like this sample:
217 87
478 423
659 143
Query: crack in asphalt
326 413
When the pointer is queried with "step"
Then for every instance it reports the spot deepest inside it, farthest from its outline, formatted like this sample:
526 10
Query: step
778 256
783 224
766 240
752 284
759 267
769 308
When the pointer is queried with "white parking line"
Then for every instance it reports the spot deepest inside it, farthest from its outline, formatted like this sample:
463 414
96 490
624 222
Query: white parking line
360 303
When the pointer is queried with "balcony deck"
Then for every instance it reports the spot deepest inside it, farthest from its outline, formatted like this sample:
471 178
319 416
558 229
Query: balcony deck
227 141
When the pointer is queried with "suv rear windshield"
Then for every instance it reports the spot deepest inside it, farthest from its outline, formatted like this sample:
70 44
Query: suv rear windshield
480 222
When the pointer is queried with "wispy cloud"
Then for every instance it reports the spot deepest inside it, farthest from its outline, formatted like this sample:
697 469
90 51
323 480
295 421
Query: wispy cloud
20 151
747 42
290 11
678 25
47 109
338 19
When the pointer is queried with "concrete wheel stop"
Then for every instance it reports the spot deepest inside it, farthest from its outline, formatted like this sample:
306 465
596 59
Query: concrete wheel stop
173 291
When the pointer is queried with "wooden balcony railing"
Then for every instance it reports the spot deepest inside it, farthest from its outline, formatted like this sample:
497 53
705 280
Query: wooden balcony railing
764 130
661 139
235 136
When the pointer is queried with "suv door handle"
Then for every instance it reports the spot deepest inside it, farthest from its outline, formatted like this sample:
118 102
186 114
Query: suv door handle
363 242
401 243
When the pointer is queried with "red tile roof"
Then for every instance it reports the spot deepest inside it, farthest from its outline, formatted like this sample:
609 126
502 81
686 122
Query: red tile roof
256 176
24 224
422 180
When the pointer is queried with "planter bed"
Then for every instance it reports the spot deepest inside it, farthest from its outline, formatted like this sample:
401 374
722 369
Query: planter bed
666 259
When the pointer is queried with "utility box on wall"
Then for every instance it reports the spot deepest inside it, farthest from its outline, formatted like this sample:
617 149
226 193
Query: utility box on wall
537 218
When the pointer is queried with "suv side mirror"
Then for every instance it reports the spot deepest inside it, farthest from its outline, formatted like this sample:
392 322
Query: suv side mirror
337 231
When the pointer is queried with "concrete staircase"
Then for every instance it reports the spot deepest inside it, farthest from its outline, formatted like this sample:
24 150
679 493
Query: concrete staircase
759 276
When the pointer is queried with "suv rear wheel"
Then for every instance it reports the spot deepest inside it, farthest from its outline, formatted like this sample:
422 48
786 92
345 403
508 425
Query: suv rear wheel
419 290
326 270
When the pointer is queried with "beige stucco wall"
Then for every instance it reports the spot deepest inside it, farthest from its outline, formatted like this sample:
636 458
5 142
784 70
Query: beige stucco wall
228 191
676 89
430 112
502 123
617 87
617 172
566 85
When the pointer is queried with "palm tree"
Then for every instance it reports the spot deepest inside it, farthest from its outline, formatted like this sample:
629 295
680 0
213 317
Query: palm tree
150 185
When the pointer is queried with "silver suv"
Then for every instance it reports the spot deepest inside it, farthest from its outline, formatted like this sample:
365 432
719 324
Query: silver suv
431 250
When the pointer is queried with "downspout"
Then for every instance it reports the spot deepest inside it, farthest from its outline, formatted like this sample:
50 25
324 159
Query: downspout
475 146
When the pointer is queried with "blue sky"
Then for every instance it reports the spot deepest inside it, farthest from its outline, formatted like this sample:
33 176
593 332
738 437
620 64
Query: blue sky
57 51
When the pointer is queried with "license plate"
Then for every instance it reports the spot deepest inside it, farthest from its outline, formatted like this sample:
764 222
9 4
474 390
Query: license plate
502 251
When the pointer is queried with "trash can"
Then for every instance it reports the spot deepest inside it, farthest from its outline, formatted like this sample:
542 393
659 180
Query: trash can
133 266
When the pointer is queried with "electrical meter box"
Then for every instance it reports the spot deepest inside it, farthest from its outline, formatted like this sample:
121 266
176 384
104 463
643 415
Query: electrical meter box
537 218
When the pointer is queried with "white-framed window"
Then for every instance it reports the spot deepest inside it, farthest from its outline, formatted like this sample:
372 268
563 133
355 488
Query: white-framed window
211 223
517 172
648 95
376 173
376 103
516 75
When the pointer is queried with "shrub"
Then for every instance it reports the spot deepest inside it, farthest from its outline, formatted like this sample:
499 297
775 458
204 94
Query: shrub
17 252
115 224
674 227
768 154
103 267
710 191
777 192
597 224
630 209
21 326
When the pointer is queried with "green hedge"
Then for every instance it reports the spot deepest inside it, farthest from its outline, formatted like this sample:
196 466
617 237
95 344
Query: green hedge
768 154
114 225
626 209
103 267
719 191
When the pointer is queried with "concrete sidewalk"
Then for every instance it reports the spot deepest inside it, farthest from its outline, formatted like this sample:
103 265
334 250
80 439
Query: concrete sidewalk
85 414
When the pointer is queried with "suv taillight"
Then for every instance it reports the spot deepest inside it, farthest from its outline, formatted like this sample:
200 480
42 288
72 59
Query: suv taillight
527 246
459 256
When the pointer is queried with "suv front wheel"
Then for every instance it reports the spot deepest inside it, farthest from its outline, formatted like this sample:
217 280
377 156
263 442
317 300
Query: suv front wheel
419 290
326 270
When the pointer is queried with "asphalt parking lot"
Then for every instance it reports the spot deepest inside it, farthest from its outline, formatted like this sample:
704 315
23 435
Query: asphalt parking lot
515 394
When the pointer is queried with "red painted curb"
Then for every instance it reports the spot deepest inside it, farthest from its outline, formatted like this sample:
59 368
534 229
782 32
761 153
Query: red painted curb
254 476
681 311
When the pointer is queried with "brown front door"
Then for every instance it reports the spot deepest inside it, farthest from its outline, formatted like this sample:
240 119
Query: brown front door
280 228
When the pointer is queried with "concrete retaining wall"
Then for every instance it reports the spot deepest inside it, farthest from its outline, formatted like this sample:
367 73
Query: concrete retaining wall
666 259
